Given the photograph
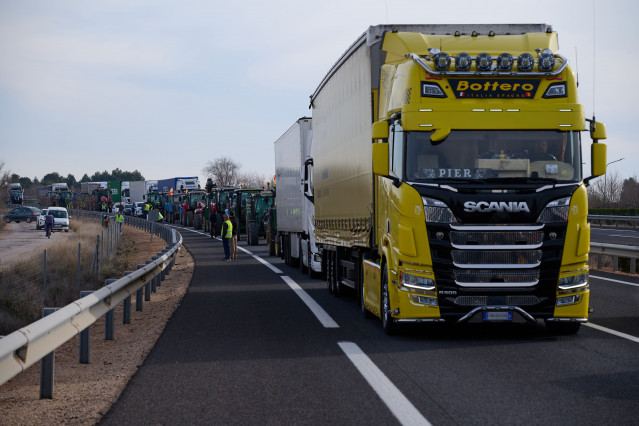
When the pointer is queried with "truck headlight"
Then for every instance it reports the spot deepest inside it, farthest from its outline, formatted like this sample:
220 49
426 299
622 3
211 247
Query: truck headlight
555 211
575 281
437 211
416 282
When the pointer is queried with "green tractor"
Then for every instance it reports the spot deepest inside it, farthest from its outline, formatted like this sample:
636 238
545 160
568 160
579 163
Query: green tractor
257 215
193 208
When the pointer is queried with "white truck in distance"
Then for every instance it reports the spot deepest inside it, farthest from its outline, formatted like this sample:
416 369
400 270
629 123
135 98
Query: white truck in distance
294 197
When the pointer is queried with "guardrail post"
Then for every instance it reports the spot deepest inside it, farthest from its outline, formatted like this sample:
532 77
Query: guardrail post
165 271
126 305
138 294
615 263
47 366
152 282
85 338
109 329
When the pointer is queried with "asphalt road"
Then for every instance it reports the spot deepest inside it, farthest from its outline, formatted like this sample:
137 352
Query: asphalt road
245 348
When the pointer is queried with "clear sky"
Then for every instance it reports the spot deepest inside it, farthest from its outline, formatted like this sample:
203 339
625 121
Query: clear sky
164 86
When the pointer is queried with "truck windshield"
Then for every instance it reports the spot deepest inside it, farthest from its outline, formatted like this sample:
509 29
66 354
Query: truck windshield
494 154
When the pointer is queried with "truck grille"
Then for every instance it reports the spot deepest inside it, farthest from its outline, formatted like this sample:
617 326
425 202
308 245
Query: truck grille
496 277
517 238
499 259
510 300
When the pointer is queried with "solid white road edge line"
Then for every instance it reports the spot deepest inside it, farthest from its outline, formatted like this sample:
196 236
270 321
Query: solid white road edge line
611 331
317 310
615 281
271 267
396 402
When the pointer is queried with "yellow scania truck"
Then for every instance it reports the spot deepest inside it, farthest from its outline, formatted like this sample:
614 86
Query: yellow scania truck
448 178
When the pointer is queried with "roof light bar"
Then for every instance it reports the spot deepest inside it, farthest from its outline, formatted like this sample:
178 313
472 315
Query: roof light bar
484 64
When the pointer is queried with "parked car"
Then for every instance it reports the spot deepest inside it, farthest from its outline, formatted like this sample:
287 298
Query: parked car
28 214
139 209
61 218
127 209
40 222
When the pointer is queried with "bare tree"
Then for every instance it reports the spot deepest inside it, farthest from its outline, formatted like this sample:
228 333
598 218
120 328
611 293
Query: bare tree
251 180
222 170
5 175
630 193
605 191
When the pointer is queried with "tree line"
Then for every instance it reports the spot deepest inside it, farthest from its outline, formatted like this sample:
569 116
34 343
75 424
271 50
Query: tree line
116 175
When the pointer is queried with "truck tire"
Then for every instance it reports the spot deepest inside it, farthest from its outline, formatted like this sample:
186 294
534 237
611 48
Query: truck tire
252 234
329 271
198 221
311 273
189 218
303 268
388 322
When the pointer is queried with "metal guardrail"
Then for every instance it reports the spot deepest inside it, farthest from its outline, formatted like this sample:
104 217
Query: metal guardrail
632 220
615 251
28 345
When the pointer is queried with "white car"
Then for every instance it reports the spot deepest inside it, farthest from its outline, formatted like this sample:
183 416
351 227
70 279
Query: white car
60 218
40 221
139 209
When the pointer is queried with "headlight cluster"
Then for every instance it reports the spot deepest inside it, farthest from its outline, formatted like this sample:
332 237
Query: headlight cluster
437 211
419 283
484 62
555 211
575 281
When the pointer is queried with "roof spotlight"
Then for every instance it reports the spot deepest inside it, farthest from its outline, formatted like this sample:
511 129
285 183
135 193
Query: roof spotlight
546 61
505 62
525 62
463 61
442 61
484 62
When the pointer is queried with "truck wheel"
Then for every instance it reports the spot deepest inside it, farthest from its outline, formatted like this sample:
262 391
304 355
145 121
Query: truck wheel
388 322
302 265
311 273
562 328
329 286
337 286
252 234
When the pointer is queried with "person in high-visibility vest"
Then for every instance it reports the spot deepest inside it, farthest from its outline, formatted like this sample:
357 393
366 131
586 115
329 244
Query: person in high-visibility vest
160 217
119 219
147 207
227 234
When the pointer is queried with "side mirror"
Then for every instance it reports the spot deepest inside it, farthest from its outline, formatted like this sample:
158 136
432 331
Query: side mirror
380 158
598 158
380 130
597 130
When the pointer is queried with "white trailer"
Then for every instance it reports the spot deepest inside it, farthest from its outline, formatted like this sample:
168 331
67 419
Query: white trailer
294 197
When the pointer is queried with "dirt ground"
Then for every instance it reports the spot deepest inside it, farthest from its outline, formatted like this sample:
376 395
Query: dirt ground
83 393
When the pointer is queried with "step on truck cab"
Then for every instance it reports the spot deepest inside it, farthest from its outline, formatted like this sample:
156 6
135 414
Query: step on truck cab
448 176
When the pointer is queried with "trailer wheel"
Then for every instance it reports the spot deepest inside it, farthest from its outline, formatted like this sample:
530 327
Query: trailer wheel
302 265
337 286
388 322
329 273
252 234
311 273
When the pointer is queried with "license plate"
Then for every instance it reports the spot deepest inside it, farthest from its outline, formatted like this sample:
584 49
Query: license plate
498 316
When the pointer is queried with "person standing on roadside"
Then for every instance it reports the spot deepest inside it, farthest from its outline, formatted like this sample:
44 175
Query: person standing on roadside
147 207
236 229
212 219
119 219
227 234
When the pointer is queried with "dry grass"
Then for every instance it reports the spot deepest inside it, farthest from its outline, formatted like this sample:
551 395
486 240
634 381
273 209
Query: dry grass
23 293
